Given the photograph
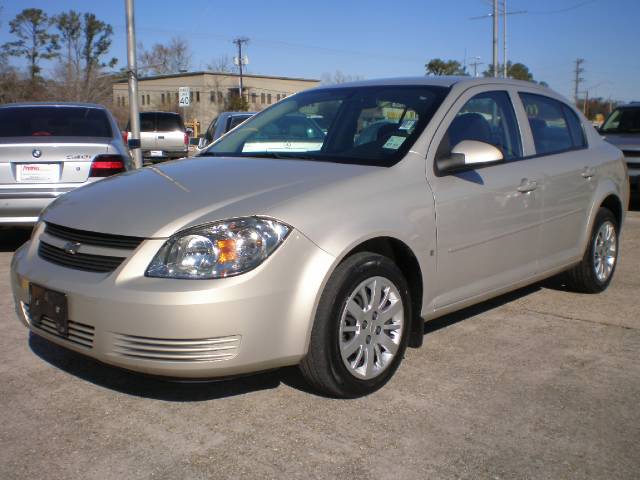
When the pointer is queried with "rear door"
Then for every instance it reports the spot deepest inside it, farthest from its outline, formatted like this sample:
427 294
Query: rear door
488 219
570 171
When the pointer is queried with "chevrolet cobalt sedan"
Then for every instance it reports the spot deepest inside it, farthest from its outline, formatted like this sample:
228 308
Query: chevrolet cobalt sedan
330 257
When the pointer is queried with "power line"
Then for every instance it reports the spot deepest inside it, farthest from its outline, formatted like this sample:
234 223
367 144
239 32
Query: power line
562 10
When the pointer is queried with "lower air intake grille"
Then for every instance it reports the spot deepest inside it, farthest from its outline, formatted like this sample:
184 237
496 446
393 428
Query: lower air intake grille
79 333
631 153
633 164
79 261
169 350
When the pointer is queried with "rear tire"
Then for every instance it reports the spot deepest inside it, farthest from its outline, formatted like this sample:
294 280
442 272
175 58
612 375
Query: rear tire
594 273
361 328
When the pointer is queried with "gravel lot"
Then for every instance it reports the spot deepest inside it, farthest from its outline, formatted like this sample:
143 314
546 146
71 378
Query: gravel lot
540 383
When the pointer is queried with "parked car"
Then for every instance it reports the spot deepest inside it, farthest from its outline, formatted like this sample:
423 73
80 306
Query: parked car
222 124
622 129
162 136
330 258
48 149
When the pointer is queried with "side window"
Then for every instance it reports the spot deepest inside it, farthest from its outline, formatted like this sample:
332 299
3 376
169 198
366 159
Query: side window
488 117
575 128
549 126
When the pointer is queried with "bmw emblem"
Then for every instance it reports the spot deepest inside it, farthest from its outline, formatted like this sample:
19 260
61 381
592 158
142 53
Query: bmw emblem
36 153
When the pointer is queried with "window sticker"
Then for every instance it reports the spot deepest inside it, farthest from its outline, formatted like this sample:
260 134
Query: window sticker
407 125
394 142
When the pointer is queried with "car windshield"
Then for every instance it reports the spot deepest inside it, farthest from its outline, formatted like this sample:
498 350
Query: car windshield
623 120
45 121
365 125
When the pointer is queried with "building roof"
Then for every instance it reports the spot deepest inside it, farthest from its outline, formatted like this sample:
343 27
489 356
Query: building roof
223 74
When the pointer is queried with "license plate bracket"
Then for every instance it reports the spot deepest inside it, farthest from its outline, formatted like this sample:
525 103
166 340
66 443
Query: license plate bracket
50 304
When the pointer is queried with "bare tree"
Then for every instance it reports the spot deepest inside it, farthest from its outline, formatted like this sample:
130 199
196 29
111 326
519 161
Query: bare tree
163 59
221 64
339 77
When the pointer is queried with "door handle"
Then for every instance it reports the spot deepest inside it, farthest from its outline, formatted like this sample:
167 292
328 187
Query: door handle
527 186
160 137
588 172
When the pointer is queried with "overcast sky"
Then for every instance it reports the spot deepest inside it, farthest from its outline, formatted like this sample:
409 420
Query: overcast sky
374 38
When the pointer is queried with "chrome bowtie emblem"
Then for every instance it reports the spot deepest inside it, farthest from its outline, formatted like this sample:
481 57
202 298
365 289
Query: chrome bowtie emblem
72 247
36 153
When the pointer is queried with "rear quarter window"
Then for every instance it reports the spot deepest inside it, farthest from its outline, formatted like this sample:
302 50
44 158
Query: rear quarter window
54 121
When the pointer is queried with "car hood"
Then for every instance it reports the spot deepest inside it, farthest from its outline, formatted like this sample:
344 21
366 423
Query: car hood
628 141
156 202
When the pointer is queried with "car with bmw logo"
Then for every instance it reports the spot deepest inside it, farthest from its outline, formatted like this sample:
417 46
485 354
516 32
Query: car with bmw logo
49 149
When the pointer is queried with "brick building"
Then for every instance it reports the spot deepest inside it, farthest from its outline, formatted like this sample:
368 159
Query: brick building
210 93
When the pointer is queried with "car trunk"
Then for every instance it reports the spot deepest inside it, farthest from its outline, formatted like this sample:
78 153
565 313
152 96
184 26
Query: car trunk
48 160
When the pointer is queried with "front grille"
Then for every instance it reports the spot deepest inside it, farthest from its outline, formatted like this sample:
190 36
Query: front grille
79 333
631 153
93 238
633 164
79 261
174 350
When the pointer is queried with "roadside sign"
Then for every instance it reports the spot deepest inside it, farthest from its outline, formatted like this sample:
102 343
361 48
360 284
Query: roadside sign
184 96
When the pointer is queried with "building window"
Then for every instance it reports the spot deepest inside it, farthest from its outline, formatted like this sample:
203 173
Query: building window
142 99
162 98
262 99
176 96
212 96
220 97
198 96
269 98
148 101
277 97
191 97
254 98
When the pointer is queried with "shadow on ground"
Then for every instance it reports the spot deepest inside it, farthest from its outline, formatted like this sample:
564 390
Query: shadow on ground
12 238
159 388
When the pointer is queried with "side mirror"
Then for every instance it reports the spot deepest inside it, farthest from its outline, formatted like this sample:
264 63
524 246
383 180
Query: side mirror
202 142
470 154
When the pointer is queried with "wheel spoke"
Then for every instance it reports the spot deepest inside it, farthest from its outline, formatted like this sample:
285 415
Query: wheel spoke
388 344
391 311
349 328
376 291
351 347
355 310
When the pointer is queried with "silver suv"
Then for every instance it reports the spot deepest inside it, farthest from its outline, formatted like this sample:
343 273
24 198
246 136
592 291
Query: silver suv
281 245
622 129
48 149
162 136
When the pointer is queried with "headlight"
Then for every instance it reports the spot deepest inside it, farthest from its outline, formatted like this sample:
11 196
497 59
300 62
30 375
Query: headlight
217 250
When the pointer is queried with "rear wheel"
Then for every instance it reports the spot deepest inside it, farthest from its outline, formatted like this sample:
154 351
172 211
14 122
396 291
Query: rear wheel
594 273
361 327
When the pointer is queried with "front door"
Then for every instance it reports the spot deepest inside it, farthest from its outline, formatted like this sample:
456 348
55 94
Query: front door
488 219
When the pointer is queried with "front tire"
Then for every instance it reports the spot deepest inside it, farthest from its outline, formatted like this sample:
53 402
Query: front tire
594 273
361 328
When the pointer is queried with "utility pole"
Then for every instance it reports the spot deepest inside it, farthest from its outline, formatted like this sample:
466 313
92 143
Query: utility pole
476 62
505 67
578 71
495 38
132 73
239 42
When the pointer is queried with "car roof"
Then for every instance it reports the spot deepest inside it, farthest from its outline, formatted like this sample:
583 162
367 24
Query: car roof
437 80
53 104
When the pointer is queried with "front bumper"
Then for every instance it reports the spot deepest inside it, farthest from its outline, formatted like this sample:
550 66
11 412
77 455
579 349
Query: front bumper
183 328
